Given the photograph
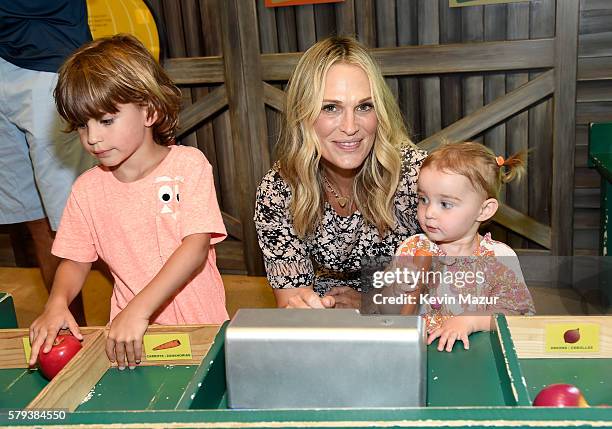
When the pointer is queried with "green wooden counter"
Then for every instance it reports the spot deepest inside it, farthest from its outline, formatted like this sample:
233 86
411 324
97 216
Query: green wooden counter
600 158
489 385
8 318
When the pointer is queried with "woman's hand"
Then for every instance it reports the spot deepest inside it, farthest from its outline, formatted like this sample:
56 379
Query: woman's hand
124 342
345 297
45 328
303 297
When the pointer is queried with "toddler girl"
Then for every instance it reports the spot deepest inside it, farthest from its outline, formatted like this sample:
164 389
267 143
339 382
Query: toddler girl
471 276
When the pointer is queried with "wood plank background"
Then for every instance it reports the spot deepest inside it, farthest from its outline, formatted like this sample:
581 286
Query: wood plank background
429 102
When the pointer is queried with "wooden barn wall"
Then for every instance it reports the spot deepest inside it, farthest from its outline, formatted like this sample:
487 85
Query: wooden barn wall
193 29
429 103
593 104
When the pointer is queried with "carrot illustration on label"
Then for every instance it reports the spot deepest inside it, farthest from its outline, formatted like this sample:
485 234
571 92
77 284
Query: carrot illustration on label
167 345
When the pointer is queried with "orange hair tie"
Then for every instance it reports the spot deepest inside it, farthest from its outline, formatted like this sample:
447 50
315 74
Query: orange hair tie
500 160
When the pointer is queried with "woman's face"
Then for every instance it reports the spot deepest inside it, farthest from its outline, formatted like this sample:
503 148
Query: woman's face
346 125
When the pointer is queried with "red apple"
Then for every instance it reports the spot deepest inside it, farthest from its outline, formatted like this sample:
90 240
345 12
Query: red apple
64 348
560 395
571 336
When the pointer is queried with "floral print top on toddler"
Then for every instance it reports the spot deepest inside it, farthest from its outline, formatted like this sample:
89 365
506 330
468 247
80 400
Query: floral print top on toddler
490 280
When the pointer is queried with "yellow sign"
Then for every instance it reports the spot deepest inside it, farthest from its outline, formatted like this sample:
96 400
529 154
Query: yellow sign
167 347
110 17
572 337
27 348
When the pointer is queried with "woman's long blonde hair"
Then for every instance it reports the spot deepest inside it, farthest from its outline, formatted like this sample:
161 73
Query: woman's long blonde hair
299 151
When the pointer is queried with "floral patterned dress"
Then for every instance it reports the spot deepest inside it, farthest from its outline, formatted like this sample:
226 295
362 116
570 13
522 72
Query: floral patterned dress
496 283
333 255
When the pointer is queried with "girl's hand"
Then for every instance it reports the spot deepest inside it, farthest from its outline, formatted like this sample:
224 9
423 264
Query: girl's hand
45 328
453 329
345 297
124 342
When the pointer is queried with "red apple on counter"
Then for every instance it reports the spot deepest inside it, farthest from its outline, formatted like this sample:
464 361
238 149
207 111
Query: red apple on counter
560 395
64 348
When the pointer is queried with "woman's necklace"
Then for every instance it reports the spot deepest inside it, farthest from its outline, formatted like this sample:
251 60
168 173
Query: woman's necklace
341 200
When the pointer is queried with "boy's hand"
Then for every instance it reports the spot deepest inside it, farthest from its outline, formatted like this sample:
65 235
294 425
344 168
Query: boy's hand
45 328
453 329
124 342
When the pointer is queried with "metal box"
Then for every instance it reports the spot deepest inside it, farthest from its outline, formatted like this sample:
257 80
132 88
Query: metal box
297 358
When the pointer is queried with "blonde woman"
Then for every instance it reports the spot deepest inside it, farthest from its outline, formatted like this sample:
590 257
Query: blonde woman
343 189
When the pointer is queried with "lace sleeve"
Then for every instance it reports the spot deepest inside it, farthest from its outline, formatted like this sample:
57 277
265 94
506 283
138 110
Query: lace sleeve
287 261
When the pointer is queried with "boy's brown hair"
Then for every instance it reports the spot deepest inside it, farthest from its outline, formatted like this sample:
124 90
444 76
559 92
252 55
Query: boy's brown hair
116 70
485 171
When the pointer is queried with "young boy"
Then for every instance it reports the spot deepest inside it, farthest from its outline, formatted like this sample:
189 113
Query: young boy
149 209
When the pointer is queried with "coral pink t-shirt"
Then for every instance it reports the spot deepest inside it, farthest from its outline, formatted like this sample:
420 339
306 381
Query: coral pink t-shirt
135 227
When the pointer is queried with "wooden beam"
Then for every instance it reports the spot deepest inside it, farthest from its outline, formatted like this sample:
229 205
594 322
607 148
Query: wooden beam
564 127
449 58
595 68
517 127
195 70
345 18
532 252
198 112
594 91
431 110
523 225
78 377
365 20
274 97
405 60
230 257
243 76
232 225
495 112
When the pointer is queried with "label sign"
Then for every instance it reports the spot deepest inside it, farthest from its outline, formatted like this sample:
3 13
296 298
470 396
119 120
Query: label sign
27 348
572 338
172 346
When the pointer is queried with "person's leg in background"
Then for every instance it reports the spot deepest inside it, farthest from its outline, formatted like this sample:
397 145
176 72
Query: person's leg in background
44 162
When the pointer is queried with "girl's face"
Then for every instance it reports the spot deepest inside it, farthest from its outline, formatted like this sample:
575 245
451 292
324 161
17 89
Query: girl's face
450 210
119 139
346 125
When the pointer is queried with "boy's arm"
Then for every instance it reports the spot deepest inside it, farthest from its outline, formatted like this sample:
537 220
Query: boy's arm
68 282
128 327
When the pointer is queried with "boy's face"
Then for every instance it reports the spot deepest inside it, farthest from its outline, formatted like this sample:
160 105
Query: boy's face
121 138
450 210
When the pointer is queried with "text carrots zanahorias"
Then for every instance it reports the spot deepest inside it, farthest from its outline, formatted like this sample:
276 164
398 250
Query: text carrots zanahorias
167 345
